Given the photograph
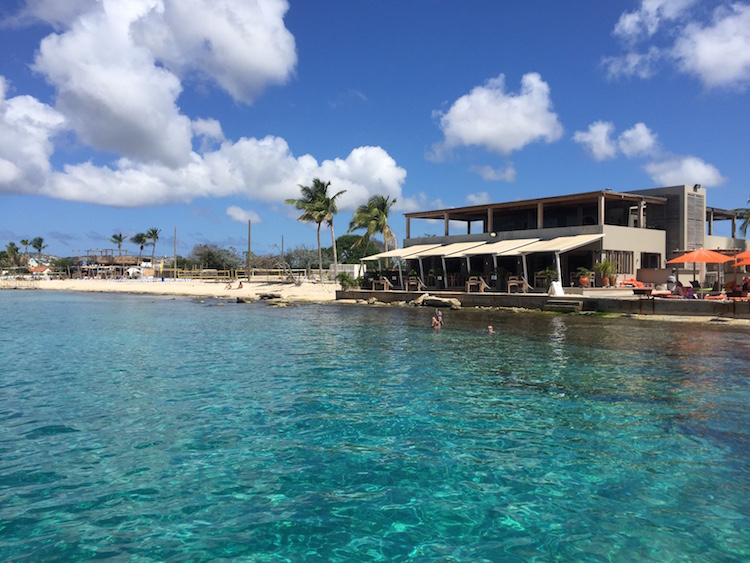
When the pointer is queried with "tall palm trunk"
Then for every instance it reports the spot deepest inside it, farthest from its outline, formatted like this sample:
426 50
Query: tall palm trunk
335 257
320 256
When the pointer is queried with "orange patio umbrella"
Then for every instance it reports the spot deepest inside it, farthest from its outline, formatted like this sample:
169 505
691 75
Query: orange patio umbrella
702 256
745 262
742 255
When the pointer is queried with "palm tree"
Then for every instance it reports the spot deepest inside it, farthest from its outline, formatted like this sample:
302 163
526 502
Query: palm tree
316 207
373 217
153 236
141 240
118 239
12 251
25 243
38 245
329 204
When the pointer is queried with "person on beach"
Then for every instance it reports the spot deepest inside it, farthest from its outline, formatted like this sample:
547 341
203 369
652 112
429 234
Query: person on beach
239 285
228 286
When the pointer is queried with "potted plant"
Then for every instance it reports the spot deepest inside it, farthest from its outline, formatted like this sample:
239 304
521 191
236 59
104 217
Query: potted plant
584 276
604 270
550 273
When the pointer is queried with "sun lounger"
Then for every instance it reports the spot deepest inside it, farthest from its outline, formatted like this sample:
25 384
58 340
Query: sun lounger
383 284
476 282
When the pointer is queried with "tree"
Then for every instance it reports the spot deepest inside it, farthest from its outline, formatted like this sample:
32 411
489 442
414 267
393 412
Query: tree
329 204
316 207
153 236
118 239
38 245
25 243
140 240
210 256
373 217
12 251
351 250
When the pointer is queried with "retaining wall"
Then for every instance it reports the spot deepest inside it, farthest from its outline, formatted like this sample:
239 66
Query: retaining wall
628 305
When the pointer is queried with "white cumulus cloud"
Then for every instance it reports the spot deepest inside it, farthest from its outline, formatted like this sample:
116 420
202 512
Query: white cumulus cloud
118 68
27 128
507 174
236 213
639 140
684 170
645 21
500 122
243 46
713 46
480 198
719 53
598 140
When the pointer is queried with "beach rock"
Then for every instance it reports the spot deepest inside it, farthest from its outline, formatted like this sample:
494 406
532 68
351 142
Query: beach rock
418 301
266 296
245 300
433 301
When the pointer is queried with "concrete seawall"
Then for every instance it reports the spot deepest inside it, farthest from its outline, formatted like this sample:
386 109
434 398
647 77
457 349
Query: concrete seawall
625 304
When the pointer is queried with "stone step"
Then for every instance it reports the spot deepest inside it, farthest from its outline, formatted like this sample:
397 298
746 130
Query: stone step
563 306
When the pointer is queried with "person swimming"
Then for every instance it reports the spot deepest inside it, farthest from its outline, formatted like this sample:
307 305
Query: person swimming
490 329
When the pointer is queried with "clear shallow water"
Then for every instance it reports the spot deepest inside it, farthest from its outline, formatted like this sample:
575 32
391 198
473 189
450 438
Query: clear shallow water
134 428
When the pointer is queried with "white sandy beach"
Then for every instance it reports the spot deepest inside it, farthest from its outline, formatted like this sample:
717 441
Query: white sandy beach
306 291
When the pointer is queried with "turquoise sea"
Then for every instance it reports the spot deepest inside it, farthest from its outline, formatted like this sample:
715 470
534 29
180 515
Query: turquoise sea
136 428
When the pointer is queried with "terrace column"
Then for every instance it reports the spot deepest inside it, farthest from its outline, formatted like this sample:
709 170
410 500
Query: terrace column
600 218
490 227
445 218
641 214
540 215
408 227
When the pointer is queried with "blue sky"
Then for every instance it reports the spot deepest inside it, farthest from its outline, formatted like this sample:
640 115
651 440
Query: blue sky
120 116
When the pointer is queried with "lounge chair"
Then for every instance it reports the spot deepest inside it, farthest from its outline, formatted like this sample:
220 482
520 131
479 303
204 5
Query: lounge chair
514 282
416 283
382 283
478 282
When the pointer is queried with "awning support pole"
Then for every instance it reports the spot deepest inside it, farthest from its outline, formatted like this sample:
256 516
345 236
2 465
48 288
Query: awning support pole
525 272
559 268
445 273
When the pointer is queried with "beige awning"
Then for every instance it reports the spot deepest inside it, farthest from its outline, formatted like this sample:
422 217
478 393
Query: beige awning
500 247
399 253
557 245
452 250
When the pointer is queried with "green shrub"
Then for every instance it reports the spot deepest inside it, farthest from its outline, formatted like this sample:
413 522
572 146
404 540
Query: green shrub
348 282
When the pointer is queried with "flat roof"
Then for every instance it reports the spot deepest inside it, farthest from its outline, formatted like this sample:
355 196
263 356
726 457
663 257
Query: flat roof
480 211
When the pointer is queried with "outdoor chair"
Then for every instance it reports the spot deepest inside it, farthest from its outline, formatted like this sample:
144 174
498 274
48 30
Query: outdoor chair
382 283
416 283
514 282
476 282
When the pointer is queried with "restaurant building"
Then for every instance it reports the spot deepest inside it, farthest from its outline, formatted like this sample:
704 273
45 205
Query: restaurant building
636 231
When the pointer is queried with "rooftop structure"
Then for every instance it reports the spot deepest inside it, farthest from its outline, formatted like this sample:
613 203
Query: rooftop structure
636 231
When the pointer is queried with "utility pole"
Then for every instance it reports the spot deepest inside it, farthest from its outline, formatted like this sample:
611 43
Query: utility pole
249 231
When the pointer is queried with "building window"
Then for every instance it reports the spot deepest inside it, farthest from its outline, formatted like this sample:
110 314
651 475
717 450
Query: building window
650 260
621 259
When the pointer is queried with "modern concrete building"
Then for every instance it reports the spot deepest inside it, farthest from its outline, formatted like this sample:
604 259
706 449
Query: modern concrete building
637 232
